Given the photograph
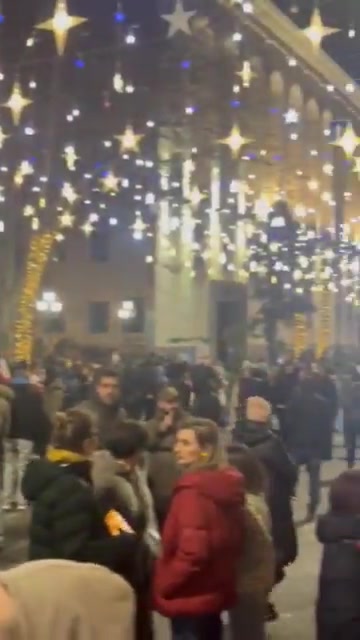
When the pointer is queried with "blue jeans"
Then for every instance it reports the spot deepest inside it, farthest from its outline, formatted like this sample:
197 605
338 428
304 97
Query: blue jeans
197 628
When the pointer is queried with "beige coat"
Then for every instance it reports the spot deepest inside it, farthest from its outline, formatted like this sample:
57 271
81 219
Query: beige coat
62 600
129 490
257 568
6 397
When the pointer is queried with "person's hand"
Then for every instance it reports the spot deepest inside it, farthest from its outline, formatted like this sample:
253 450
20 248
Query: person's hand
167 421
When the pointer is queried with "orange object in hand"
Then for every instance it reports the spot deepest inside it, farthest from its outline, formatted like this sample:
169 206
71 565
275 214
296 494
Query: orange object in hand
116 524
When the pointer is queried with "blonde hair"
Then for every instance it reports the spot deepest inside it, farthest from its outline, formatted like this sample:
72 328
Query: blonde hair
71 430
208 436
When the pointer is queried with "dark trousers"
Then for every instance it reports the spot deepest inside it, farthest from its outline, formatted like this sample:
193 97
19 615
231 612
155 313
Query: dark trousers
313 468
351 433
345 631
247 619
197 628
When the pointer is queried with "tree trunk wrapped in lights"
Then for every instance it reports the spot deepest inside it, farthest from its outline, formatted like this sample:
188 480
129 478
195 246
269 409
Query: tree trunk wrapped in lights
300 334
324 338
39 252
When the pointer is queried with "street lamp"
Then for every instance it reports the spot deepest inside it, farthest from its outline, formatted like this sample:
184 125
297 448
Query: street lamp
127 310
49 303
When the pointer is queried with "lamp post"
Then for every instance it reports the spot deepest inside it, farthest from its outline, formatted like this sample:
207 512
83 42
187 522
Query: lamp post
49 303
127 311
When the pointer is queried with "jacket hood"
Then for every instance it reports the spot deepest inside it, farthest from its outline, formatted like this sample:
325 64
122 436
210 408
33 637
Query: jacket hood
6 393
39 475
225 487
333 528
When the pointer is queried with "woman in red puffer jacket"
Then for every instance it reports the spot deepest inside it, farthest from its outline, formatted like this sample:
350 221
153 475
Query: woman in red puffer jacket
195 578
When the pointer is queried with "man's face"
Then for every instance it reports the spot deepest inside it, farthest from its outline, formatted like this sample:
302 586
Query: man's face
108 391
168 407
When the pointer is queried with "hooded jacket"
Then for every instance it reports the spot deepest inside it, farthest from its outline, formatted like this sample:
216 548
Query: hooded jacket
66 521
202 538
29 420
338 604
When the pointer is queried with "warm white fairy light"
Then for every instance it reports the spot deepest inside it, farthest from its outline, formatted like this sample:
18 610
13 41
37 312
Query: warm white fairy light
68 192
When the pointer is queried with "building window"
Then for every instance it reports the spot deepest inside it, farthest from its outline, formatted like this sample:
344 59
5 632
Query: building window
132 315
99 246
99 317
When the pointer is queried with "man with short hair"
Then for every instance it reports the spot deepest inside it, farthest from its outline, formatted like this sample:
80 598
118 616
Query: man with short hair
104 406
161 431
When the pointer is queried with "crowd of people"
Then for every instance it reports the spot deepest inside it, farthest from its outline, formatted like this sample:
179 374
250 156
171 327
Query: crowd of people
148 492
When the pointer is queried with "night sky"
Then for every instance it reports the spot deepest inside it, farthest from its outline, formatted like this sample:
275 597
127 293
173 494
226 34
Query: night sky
21 15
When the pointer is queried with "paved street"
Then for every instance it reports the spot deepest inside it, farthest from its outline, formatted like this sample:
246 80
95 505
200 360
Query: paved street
295 597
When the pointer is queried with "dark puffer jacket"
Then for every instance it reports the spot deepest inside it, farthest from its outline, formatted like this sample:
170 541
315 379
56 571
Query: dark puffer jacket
338 605
282 475
66 520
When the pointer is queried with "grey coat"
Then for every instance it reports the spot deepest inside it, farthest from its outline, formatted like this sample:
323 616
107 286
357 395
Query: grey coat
130 489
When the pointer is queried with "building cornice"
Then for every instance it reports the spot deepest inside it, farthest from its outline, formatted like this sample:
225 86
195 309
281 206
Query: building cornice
281 31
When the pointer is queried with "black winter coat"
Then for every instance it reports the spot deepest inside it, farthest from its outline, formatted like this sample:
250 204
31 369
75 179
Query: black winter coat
29 420
309 423
66 521
208 406
338 604
282 477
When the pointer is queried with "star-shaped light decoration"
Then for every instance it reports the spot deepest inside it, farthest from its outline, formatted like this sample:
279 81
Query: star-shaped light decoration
110 183
87 228
246 74
235 141
179 21
317 31
60 24
291 116
70 157
3 137
17 103
68 192
348 141
129 140
66 220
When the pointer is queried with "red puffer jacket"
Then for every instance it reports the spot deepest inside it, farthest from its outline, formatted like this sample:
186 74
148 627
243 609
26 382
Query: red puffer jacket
202 541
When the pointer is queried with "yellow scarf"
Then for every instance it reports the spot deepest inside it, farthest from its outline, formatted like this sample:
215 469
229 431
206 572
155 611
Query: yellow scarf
64 456
114 522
